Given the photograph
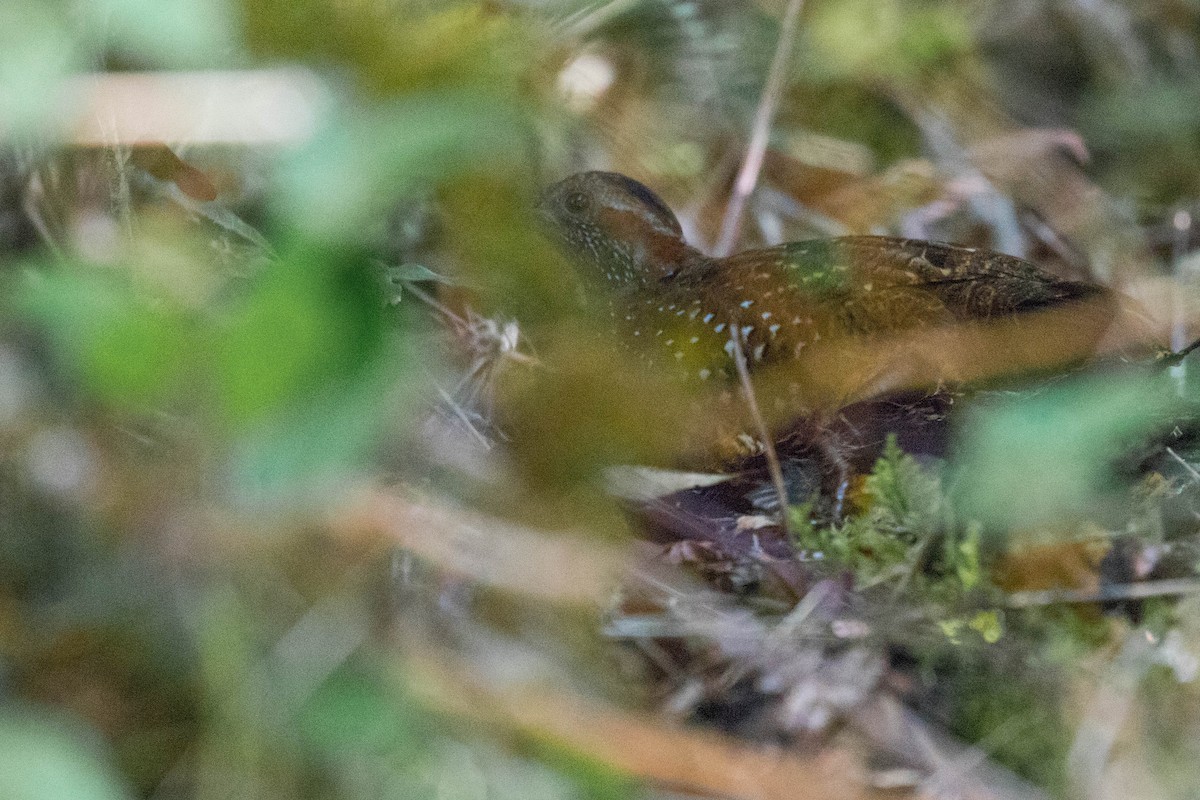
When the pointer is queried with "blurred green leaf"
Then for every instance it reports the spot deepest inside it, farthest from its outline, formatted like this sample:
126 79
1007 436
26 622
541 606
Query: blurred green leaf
168 33
1141 115
316 444
128 349
310 323
305 372
353 172
354 711
989 625
593 779
37 51
313 321
415 273
1051 456
871 39
399 47
44 759
1145 136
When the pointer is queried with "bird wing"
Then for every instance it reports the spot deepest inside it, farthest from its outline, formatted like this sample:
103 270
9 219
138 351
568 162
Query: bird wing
966 282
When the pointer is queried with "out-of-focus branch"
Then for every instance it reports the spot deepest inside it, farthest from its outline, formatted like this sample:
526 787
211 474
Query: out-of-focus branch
760 133
565 567
253 107
642 746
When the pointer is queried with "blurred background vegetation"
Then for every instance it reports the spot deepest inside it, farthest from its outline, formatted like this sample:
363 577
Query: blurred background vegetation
304 427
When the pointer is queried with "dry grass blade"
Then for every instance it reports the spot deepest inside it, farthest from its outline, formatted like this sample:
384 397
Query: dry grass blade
1131 591
1108 709
252 107
642 746
954 770
563 567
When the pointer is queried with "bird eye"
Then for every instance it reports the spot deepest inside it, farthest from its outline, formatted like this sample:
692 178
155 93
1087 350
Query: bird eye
577 202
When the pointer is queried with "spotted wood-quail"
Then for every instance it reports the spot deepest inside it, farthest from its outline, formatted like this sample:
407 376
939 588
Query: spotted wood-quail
677 306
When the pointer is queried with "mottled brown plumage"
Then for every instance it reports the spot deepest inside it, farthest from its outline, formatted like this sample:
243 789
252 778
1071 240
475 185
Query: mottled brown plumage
678 306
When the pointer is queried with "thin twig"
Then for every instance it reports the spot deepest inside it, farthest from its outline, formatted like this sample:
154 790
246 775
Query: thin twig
1182 225
462 416
756 150
436 305
1190 469
773 466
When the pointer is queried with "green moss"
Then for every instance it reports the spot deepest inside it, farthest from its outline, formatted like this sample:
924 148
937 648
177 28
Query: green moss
908 534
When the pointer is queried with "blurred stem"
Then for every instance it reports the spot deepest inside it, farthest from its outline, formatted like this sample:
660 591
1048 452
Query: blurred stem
773 465
760 133
232 755
1181 223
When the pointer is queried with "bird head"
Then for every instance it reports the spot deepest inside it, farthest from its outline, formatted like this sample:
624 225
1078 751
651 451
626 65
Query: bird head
615 228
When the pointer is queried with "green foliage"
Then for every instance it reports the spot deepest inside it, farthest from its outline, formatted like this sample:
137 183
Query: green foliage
322 441
846 110
44 758
906 515
907 500
358 711
313 321
1045 457
170 33
36 53
398 47
352 172
1148 135
890 39
1013 711
593 780
297 371
908 538
129 349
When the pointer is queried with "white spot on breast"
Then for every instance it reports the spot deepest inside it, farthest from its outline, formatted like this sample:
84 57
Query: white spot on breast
747 330
694 339
708 318
746 303
774 329
729 347
720 327
679 355
758 352
766 315
670 342
704 373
